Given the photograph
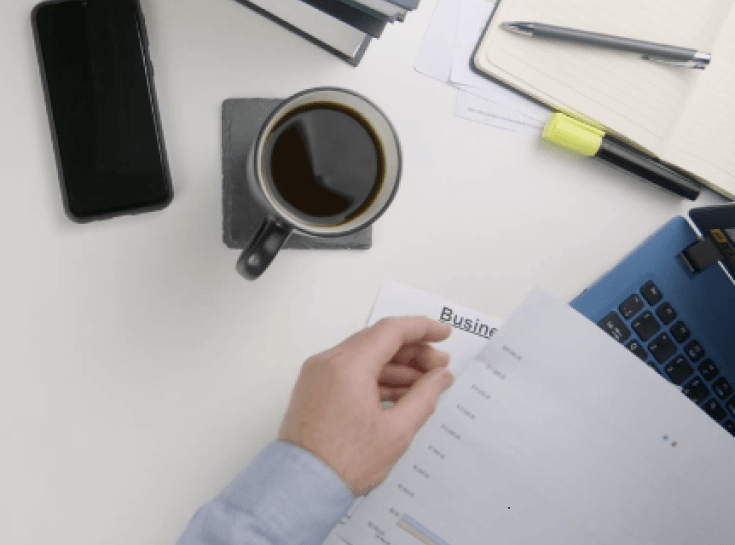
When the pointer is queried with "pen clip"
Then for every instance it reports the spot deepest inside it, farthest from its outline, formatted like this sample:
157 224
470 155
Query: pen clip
695 64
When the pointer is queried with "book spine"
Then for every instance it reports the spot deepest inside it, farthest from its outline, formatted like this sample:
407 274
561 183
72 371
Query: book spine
350 15
352 55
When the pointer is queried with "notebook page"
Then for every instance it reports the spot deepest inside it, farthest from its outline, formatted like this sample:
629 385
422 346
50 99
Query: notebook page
638 99
704 139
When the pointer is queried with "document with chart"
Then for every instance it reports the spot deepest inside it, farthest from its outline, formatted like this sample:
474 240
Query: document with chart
471 331
556 434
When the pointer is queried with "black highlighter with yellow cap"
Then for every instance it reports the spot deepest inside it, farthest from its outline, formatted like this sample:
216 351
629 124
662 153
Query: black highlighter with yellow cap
581 138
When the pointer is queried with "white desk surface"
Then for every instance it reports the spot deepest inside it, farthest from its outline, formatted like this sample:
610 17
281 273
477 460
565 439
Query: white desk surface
141 372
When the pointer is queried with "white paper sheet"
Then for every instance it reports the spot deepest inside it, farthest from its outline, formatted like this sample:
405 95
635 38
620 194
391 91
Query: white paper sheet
556 434
472 331
471 23
474 108
436 56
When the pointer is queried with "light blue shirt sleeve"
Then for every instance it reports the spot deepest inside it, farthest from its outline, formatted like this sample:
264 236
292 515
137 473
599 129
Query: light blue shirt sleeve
285 496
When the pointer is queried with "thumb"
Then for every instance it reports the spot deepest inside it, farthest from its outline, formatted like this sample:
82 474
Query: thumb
415 407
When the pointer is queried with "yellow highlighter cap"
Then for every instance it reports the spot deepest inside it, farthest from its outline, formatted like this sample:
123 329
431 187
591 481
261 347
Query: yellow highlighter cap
575 135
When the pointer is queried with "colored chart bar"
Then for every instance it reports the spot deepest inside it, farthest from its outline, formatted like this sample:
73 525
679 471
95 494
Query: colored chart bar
420 532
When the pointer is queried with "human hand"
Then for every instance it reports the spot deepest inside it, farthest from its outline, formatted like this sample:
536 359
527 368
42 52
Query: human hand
336 408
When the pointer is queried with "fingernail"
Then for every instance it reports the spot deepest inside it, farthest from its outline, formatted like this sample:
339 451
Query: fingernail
447 380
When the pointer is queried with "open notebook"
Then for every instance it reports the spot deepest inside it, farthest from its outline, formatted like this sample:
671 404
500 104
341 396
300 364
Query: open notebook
685 117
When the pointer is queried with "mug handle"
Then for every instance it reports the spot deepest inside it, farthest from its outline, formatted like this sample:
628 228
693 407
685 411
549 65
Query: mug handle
255 259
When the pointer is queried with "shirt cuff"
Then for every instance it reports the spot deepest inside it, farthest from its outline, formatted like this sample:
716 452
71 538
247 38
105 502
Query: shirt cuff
298 498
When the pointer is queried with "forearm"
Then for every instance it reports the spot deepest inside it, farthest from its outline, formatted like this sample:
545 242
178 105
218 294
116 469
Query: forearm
286 496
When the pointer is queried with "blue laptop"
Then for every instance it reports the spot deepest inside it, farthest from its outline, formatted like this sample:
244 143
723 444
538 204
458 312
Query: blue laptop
672 303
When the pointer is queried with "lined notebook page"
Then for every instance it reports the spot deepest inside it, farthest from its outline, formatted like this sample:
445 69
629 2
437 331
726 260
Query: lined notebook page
704 139
638 99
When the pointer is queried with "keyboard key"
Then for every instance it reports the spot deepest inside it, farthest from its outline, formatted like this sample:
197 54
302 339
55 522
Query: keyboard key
679 370
680 332
666 313
731 406
631 306
708 369
646 325
651 294
635 347
694 350
713 409
614 326
722 388
729 425
662 348
696 390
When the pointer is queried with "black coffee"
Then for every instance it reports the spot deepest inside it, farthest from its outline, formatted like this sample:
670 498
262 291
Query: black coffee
325 162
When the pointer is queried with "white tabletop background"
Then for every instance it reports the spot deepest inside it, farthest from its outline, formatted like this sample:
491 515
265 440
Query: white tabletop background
140 372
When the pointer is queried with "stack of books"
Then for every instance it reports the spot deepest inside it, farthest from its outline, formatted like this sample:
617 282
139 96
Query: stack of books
342 27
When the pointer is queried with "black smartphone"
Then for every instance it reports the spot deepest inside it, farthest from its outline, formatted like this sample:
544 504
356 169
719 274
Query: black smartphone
101 103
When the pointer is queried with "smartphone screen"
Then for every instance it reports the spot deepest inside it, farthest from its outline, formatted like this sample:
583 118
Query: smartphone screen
102 105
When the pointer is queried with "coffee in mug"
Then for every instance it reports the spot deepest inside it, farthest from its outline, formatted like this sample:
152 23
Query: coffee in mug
326 163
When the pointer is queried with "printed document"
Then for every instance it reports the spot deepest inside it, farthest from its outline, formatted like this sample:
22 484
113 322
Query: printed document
556 434
471 329
471 332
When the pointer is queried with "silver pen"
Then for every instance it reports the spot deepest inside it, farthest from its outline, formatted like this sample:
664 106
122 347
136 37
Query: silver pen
678 56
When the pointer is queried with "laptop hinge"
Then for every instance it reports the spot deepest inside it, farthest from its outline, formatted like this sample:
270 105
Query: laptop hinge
701 255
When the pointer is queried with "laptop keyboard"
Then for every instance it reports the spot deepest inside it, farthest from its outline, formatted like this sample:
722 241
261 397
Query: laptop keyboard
650 328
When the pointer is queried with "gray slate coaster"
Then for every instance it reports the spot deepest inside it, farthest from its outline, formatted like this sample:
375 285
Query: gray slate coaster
241 121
